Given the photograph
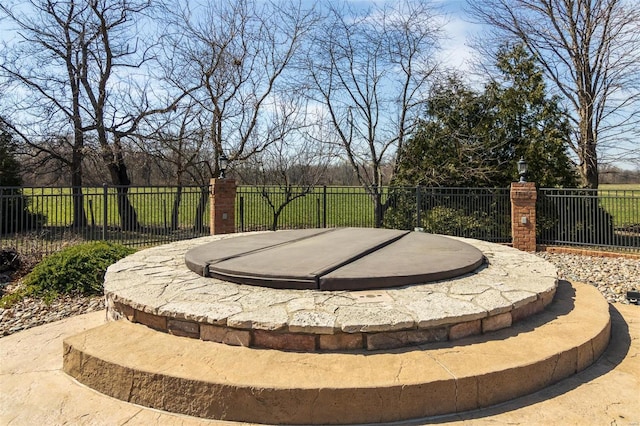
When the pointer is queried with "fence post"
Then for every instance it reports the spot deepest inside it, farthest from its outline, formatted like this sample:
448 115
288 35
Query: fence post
222 206
523 215
418 208
105 211
241 213
4 227
324 206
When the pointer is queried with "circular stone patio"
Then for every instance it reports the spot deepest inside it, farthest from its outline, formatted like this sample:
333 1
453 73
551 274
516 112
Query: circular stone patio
156 288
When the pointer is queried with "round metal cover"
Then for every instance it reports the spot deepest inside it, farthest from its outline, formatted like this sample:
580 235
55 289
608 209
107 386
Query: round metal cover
335 259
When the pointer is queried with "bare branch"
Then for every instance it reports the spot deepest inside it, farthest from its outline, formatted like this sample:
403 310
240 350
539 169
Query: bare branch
371 72
590 51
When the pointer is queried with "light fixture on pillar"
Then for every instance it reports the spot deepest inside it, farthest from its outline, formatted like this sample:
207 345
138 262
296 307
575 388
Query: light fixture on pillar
522 169
224 163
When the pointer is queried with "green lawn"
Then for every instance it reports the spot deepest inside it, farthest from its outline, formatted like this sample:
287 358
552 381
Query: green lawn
622 202
621 187
339 206
153 205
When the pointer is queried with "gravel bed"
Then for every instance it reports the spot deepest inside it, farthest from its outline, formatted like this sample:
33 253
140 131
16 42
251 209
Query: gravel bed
612 276
31 312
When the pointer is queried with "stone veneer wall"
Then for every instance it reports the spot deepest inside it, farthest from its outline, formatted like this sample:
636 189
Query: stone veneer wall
309 342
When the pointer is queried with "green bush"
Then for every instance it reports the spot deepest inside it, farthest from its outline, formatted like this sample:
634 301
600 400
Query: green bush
449 221
401 211
77 270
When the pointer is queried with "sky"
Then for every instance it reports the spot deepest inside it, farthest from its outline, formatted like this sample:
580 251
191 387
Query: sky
459 30
455 53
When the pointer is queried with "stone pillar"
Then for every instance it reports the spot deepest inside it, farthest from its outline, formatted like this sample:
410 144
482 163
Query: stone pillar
222 202
523 215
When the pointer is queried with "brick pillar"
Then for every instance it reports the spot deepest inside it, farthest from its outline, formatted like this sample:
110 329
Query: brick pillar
222 204
523 215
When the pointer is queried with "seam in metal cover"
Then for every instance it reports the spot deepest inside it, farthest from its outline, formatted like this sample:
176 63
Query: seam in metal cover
335 259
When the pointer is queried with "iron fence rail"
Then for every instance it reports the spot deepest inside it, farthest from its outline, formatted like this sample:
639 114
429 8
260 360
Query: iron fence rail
482 213
468 212
589 217
45 219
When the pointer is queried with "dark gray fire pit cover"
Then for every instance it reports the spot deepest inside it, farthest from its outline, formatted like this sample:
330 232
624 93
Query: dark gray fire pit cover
334 259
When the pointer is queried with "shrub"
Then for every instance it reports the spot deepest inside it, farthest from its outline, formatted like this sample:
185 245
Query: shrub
401 211
449 221
77 270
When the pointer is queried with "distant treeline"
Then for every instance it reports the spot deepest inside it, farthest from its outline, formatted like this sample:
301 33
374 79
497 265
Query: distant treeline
618 175
147 169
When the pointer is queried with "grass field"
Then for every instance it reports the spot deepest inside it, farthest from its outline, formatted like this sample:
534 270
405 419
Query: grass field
620 187
622 201
331 207
152 204
345 206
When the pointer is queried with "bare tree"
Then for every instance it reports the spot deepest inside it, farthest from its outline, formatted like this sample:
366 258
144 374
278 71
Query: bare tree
42 68
180 147
371 72
239 53
85 65
590 50
293 165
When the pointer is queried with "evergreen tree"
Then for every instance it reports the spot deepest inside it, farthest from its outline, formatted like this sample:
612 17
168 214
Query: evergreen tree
475 139
9 165
528 124
14 206
449 146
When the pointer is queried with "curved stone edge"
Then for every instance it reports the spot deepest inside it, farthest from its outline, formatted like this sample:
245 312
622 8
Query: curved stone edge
148 287
300 339
133 363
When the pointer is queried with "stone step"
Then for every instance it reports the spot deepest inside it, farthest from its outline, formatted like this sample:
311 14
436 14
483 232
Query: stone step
137 364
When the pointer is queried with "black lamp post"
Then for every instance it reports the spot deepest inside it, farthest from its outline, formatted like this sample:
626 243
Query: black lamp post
522 169
224 163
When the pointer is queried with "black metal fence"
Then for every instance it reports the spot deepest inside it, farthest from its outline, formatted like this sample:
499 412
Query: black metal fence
45 219
482 213
589 217
274 207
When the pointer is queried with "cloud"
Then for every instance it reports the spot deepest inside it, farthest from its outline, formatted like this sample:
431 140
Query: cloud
455 52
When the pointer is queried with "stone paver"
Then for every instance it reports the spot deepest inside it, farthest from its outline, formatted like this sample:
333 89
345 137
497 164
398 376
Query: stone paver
137 364
34 390
511 279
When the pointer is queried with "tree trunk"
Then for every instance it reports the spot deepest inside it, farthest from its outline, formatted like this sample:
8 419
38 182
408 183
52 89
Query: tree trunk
200 209
589 164
120 178
276 218
380 208
175 210
587 144
79 214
